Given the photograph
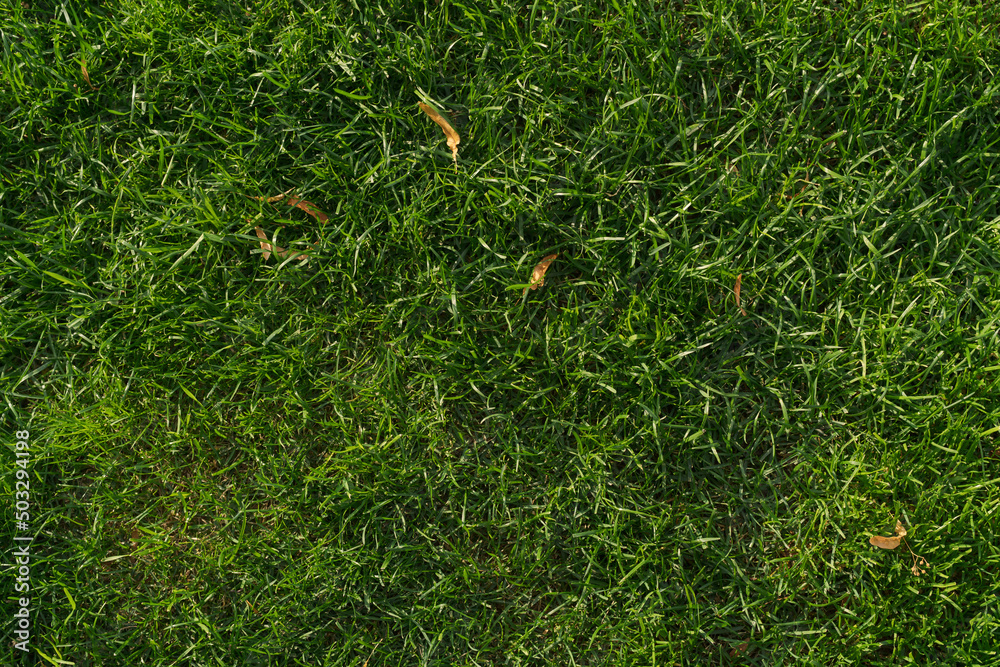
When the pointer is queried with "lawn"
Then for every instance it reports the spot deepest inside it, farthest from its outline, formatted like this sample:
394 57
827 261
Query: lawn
771 332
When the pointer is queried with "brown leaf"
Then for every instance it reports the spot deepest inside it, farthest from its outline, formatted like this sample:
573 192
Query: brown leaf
309 208
736 291
884 542
306 206
268 248
538 273
271 200
449 131
889 542
86 76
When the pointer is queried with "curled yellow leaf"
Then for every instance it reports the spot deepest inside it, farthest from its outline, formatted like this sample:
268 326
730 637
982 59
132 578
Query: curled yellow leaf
538 273
889 542
449 131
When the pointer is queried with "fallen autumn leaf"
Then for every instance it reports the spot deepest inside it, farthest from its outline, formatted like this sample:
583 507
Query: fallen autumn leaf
280 252
736 291
538 273
309 208
86 75
306 206
889 542
297 202
449 131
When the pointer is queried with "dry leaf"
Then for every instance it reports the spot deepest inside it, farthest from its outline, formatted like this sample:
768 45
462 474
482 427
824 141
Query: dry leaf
371 654
271 200
266 247
281 253
736 291
309 208
538 273
449 131
306 206
889 542
86 76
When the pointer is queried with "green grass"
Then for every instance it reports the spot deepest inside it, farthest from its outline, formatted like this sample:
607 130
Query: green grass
390 454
